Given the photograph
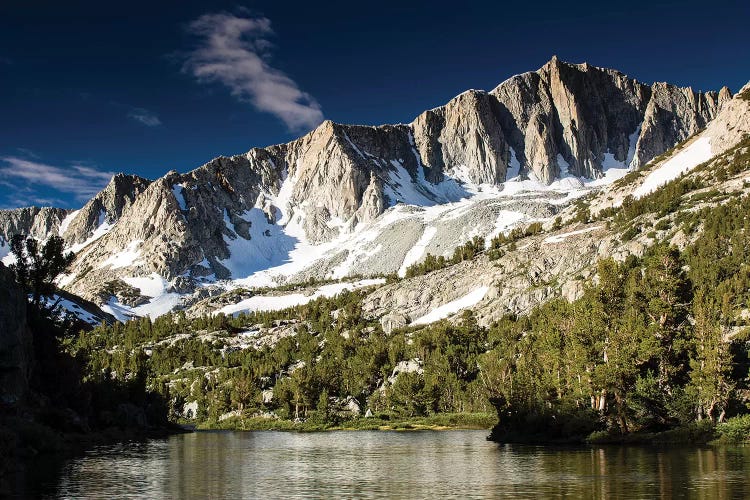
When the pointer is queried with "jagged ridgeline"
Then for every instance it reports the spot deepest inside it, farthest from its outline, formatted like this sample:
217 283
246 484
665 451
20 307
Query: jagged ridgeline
146 247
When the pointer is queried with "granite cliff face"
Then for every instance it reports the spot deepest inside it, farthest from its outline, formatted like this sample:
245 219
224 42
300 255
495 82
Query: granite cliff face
34 221
238 215
103 209
75 226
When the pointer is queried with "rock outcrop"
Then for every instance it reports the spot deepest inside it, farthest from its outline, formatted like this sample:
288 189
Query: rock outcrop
104 209
33 221
15 340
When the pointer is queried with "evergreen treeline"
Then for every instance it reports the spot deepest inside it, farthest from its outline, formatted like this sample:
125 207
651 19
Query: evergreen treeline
334 357
657 342
467 251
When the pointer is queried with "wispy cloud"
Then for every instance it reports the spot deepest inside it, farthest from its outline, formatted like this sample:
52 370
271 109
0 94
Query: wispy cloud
234 51
27 197
145 117
28 152
80 181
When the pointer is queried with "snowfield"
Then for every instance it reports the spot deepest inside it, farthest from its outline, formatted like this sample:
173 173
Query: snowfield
417 250
66 222
453 307
5 256
686 159
154 286
124 258
103 227
279 302
177 190
66 306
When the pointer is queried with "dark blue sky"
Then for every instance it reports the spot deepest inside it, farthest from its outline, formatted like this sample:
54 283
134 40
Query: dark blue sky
87 89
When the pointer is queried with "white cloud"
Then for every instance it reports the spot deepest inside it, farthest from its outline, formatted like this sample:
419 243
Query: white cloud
79 180
234 51
144 116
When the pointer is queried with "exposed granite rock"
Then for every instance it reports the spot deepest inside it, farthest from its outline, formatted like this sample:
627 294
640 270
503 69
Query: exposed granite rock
732 124
463 135
38 222
104 208
672 115
581 112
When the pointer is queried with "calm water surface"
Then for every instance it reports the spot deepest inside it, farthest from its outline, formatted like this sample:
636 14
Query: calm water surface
363 464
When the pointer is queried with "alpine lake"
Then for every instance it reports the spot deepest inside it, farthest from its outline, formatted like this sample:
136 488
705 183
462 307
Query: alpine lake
385 464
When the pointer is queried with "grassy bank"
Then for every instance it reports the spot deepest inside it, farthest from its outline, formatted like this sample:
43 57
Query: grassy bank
441 421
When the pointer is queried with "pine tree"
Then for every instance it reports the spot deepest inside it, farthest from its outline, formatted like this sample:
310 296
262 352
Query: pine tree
710 366
35 267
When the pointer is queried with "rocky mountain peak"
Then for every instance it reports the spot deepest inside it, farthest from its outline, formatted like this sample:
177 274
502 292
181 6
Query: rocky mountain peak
103 210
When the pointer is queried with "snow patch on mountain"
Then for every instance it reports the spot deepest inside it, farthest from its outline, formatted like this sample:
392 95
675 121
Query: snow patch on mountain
451 308
102 228
632 143
559 238
506 220
612 169
401 188
177 191
514 167
686 159
161 300
5 253
66 222
279 302
269 246
416 252
64 308
125 258
121 312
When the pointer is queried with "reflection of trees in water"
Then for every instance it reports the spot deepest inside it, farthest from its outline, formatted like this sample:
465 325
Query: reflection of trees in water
391 464
642 472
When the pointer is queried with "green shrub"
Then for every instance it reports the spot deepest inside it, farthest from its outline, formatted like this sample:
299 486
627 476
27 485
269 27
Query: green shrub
630 233
735 430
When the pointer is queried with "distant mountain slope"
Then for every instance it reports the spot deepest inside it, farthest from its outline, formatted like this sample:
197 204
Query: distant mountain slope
345 200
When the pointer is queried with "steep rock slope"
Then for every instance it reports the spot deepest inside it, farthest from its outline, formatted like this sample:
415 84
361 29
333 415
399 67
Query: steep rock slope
102 211
78 227
34 221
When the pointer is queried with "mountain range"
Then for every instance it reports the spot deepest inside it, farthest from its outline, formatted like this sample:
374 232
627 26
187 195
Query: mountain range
360 203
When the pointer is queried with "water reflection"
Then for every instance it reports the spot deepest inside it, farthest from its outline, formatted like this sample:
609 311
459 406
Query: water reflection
388 465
